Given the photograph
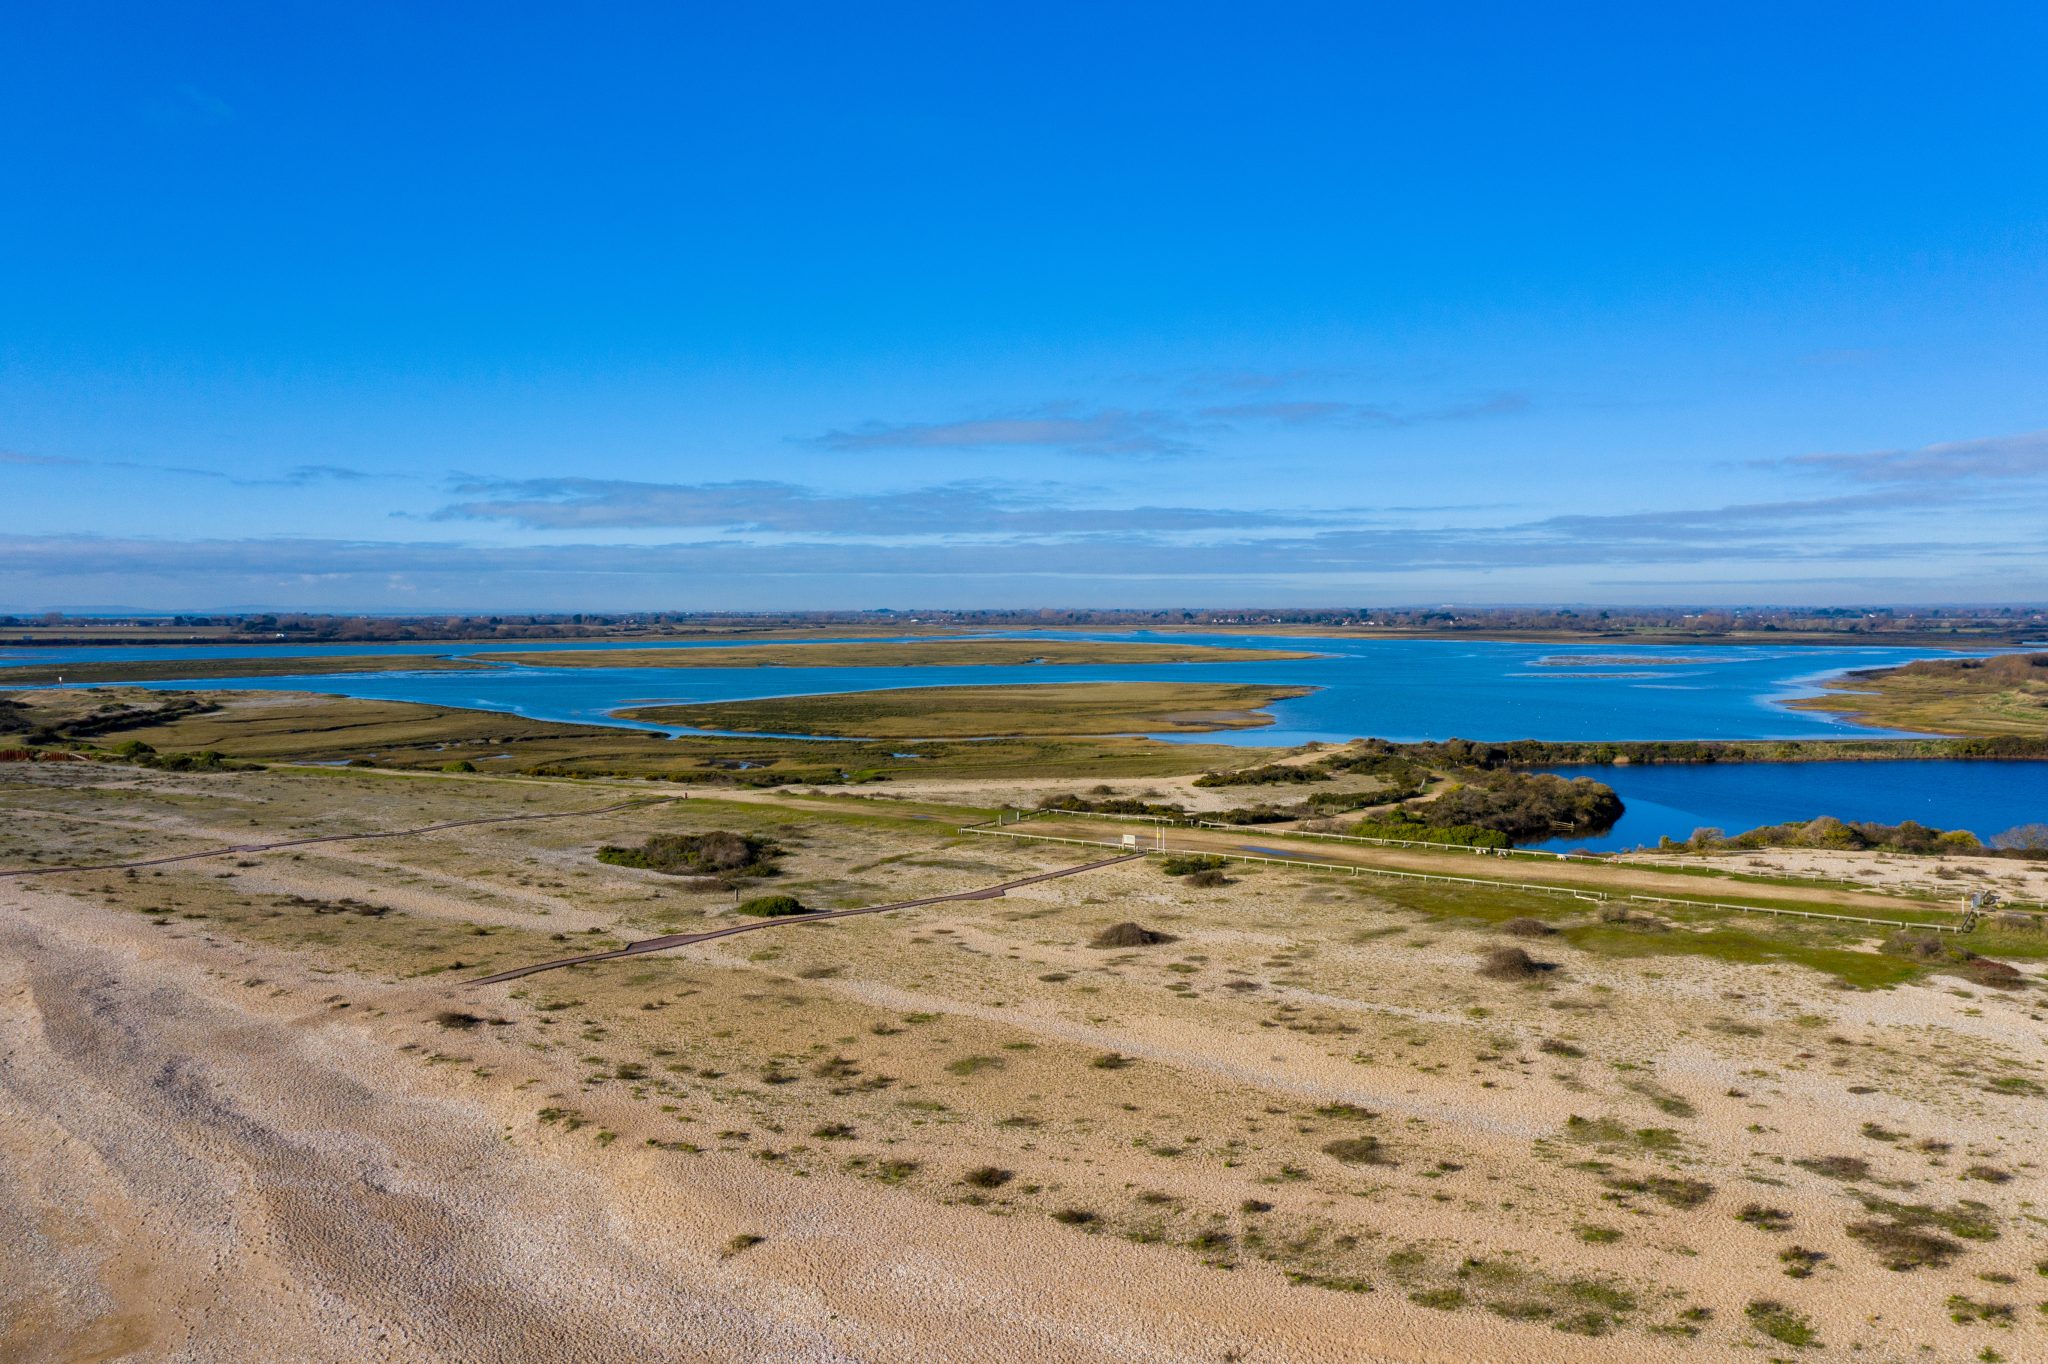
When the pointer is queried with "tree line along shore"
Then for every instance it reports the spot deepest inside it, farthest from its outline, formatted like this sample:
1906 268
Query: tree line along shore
1940 627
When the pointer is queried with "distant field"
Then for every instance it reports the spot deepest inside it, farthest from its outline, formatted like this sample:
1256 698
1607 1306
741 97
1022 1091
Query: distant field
840 654
152 670
1079 708
870 654
1964 696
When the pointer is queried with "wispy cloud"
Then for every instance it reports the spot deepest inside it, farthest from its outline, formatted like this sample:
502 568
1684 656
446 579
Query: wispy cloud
1321 412
1304 412
1071 429
1134 544
970 508
1107 431
2020 456
1690 525
306 474
1219 381
300 476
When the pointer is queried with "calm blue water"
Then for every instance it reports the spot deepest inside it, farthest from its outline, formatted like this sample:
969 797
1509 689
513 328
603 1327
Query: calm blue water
1390 688
1984 797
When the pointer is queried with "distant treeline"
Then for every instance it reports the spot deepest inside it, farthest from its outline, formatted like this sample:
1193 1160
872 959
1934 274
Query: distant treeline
2010 670
1990 624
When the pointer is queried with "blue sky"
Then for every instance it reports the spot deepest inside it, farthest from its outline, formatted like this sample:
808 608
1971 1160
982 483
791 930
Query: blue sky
388 307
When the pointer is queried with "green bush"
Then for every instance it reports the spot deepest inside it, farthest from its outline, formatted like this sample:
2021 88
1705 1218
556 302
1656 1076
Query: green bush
1526 805
1781 1323
719 853
1272 774
772 906
210 760
1828 832
1112 805
1405 826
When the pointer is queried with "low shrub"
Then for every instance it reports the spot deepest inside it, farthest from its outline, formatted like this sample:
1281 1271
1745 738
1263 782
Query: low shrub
1526 805
1674 1190
1114 805
1129 934
772 907
1903 1247
1272 774
1781 1323
1402 825
1512 963
1800 1262
720 853
1358 1151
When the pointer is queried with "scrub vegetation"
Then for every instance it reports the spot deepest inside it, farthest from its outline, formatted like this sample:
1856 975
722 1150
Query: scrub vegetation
1055 708
720 854
2004 695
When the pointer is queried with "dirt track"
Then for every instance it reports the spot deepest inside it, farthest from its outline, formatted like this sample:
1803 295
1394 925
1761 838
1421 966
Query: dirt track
670 940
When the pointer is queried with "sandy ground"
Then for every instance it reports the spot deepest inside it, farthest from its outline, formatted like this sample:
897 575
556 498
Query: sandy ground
1951 878
233 1128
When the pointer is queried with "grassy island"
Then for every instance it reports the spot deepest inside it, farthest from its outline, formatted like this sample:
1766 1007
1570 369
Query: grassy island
2005 695
1073 708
